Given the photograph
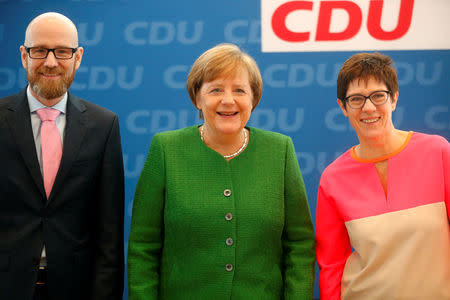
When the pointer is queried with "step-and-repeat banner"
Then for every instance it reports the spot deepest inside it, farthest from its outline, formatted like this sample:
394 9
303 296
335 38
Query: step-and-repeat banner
138 54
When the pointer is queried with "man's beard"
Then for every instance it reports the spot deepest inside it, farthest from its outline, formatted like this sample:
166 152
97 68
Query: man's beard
47 88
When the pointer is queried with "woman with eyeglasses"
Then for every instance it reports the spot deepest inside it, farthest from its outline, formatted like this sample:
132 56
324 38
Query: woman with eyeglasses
383 206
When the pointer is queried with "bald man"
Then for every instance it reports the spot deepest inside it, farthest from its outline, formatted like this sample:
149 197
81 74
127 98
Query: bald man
62 182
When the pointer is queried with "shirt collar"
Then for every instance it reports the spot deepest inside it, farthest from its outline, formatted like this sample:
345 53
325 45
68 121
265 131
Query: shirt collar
35 104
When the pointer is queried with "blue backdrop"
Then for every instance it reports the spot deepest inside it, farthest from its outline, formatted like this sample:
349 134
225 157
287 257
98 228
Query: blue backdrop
138 54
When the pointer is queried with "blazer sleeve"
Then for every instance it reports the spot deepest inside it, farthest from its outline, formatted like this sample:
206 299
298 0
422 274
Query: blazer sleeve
298 235
146 234
108 260
333 246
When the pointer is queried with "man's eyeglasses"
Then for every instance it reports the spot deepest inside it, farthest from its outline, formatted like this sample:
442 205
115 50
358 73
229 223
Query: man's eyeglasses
377 98
59 53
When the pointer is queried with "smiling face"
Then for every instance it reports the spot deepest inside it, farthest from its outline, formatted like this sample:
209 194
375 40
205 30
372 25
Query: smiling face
226 104
370 122
50 78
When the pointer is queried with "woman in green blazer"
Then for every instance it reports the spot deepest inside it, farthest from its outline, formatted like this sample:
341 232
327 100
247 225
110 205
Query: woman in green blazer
220 210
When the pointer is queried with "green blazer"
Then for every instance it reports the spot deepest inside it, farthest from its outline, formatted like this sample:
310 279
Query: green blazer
207 228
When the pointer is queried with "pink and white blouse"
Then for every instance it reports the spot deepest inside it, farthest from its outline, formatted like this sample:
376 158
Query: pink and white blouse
393 245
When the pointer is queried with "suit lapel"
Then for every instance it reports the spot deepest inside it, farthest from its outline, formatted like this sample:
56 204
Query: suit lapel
73 136
20 123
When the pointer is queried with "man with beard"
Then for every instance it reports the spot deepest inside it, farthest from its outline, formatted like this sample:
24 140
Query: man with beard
62 185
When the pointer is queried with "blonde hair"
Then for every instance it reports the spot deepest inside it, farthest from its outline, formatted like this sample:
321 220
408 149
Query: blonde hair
223 61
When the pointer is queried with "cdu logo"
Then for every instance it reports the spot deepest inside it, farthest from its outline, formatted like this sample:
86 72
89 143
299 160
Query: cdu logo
105 77
300 75
90 34
243 32
320 25
152 121
163 33
438 117
426 74
281 119
133 165
311 162
9 78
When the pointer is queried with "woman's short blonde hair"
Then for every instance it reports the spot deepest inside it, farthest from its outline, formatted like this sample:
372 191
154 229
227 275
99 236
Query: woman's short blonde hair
223 61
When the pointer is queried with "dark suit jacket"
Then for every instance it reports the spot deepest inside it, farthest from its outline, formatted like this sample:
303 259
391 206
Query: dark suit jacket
81 224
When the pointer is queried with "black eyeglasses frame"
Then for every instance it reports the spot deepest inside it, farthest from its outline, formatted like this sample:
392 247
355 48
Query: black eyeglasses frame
368 97
28 49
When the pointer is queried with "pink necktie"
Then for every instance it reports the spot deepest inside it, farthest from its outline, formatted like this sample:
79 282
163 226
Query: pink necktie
51 146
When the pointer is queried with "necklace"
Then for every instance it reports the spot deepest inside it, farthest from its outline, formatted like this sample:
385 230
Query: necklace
235 153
